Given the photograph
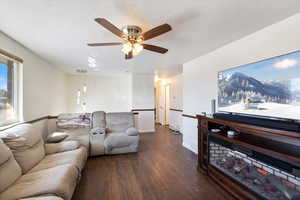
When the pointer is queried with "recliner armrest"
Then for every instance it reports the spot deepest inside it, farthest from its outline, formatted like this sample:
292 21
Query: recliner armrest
52 148
131 131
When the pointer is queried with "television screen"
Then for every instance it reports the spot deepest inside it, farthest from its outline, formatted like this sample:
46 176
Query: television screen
268 88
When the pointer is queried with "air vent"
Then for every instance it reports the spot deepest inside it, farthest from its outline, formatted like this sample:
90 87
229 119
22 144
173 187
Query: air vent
82 71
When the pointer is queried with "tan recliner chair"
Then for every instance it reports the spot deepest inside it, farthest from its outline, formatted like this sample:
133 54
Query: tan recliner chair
113 133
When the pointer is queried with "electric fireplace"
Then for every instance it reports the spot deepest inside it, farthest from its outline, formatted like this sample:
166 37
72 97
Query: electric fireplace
254 164
264 180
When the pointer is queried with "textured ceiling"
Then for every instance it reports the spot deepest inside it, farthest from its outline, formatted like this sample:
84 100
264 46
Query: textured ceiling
58 30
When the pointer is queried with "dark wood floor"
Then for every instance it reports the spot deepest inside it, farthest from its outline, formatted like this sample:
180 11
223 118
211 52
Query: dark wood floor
162 170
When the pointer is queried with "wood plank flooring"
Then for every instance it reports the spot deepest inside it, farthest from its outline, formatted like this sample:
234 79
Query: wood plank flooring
162 170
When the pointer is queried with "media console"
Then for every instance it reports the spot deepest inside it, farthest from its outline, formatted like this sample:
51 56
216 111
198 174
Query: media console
257 163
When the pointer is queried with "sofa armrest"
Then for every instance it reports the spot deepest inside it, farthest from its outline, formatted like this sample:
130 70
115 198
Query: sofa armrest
131 131
52 148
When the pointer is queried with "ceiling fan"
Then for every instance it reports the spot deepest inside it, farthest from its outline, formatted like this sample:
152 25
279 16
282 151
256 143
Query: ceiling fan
133 36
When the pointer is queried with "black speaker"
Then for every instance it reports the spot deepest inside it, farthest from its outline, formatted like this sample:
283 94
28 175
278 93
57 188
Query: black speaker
288 125
213 106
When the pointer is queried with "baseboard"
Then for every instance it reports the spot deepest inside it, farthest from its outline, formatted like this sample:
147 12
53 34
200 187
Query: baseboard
190 147
175 128
147 131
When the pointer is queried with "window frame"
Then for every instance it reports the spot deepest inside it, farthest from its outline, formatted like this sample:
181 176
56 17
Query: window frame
17 78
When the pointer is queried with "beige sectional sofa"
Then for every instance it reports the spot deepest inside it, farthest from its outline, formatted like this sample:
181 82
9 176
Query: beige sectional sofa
32 170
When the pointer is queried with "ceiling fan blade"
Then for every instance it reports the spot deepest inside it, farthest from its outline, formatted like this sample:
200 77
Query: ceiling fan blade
155 48
159 30
109 26
104 44
129 55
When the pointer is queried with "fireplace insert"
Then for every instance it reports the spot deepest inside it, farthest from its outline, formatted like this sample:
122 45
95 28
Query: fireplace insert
263 175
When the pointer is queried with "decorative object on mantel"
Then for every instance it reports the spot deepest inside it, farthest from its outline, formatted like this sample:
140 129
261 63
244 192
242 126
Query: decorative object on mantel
231 133
215 130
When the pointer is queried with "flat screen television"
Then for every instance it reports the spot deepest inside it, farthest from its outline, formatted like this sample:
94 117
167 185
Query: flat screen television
268 88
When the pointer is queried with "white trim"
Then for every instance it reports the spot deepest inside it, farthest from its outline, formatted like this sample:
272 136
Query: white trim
146 131
20 92
190 147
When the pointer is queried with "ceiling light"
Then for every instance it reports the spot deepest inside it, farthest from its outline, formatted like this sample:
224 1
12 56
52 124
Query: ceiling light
135 48
127 47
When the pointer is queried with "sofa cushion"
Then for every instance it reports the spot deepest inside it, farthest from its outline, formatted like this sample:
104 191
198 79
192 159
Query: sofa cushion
80 134
59 181
30 157
61 147
56 137
26 144
118 140
20 137
76 157
5 153
10 171
119 122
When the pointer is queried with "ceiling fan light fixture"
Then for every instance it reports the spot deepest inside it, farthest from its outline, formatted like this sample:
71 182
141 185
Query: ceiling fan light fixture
137 48
140 39
127 47
133 36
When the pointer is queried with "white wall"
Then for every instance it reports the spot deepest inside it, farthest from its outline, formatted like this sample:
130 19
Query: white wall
115 94
107 93
43 84
176 87
143 98
200 74
142 91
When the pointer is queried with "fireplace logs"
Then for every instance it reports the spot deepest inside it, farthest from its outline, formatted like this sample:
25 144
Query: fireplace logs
258 180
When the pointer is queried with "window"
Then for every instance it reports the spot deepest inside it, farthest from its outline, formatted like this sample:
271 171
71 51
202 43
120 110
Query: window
10 91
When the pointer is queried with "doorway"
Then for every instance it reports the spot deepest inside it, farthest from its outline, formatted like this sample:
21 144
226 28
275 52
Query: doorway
167 104
162 102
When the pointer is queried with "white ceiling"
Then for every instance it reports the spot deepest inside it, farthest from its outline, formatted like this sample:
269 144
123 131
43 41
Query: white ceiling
58 30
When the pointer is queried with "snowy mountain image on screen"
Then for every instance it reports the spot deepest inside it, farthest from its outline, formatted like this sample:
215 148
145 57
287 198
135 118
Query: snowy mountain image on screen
261 89
237 87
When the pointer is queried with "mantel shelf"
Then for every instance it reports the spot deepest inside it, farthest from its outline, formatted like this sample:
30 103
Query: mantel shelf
274 154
